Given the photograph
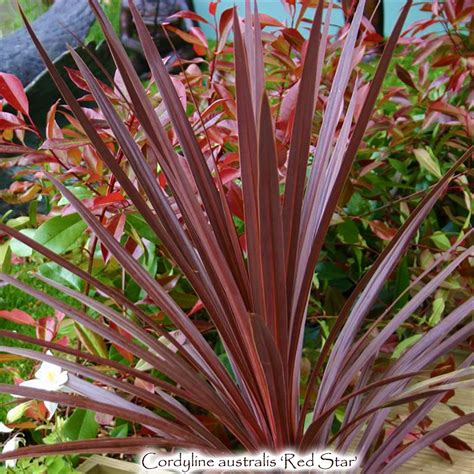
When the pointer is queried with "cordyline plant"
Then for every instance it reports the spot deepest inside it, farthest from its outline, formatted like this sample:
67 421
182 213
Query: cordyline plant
256 299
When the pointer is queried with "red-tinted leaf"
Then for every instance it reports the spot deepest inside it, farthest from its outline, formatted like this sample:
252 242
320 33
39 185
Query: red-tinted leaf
404 76
195 37
447 396
46 328
187 14
12 148
8 120
199 50
115 226
64 144
447 60
381 230
456 443
446 108
444 367
213 8
235 200
294 37
77 79
12 91
126 354
145 385
17 316
198 33
267 20
197 307
111 198
225 24
458 411
441 452
229 174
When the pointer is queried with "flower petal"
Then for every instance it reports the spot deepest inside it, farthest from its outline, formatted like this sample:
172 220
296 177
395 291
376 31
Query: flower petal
61 379
51 407
46 370
13 443
4 428
36 383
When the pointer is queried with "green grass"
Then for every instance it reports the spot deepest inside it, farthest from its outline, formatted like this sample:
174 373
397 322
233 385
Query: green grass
10 19
112 10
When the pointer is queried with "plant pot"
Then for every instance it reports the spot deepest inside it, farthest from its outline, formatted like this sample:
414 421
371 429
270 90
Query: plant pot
103 465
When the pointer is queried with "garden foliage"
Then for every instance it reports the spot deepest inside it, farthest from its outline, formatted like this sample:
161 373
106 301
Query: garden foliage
243 214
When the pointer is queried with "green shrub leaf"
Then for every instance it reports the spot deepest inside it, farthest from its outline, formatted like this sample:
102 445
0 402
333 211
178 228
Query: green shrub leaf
60 233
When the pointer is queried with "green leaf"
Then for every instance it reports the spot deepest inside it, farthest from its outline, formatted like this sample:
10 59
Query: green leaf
440 240
348 232
428 162
55 272
57 465
81 425
19 248
93 342
399 166
142 228
224 358
60 233
402 282
357 205
18 222
426 259
5 257
439 304
120 431
81 192
405 344
32 212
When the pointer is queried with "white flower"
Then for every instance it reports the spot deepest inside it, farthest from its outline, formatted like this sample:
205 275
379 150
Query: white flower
49 377
4 428
12 444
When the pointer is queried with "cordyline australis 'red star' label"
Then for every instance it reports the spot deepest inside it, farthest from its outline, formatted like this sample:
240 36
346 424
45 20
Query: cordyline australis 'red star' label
189 462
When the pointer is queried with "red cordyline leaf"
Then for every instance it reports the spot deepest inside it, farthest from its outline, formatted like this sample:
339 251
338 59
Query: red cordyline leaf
12 91
388 449
353 144
138 94
256 307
